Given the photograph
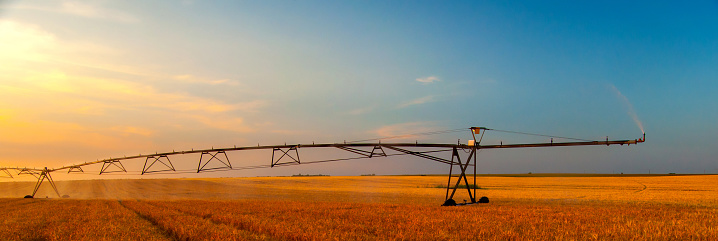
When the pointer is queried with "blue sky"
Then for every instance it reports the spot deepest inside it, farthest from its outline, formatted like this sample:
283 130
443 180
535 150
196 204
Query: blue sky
94 79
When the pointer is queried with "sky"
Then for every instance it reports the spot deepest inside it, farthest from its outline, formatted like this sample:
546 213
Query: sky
88 80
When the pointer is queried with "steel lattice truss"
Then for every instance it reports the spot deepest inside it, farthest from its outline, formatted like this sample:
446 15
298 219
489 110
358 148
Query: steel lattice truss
283 155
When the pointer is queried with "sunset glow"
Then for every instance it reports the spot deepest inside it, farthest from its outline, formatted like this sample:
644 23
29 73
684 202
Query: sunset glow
85 80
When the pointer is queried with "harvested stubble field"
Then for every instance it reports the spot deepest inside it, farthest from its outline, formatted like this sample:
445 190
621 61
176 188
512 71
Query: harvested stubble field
366 208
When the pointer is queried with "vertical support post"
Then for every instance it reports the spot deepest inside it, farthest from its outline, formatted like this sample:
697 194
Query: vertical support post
451 172
475 154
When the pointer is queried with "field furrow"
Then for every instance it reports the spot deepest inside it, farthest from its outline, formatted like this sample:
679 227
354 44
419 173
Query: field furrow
188 227
37 219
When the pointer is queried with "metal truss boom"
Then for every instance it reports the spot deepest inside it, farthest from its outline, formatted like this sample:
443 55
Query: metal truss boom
344 145
289 155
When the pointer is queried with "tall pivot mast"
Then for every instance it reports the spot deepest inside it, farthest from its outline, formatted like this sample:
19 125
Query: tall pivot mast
475 145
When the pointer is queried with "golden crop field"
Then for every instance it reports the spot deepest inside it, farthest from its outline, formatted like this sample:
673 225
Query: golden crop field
547 207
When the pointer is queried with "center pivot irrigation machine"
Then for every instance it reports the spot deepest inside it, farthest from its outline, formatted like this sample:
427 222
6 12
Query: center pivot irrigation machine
283 155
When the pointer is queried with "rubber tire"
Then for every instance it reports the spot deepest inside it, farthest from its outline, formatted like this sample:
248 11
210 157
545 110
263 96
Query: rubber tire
449 202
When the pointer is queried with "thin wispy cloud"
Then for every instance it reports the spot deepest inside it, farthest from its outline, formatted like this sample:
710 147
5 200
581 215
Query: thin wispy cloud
291 132
192 79
132 130
88 98
235 124
428 80
23 128
84 9
25 46
360 111
24 42
419 101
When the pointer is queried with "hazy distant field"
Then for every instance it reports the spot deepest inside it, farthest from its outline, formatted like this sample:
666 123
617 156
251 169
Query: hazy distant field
372 207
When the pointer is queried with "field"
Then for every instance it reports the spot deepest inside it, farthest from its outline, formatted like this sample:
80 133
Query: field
537 207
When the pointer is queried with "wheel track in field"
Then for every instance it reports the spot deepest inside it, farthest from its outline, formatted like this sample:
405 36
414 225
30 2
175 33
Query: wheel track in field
644 187
209 218
167 233
265 236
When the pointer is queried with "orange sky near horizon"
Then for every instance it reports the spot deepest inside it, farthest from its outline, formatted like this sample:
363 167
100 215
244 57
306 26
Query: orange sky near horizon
88 80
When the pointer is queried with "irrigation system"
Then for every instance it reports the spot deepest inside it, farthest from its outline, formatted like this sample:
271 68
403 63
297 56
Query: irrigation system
283 155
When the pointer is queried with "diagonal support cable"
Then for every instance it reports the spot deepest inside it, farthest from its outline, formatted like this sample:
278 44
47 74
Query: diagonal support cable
420 154
368 154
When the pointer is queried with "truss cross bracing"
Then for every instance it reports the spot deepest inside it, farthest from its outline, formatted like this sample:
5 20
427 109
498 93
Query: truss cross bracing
214 156
162 159
75 169
463 167
106 165
285 153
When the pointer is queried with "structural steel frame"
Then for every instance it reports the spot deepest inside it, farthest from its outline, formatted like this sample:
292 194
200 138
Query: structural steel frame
155 159
368 154
7 172
295 158
109 163
227 165
290 153
75 169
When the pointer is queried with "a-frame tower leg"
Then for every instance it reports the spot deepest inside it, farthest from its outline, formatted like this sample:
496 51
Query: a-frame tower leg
463 167
471 189
45 174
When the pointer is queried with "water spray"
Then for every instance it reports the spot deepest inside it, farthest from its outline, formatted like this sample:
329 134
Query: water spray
631 111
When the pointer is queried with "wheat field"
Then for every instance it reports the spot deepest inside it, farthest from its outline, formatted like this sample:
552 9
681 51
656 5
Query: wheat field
522 207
